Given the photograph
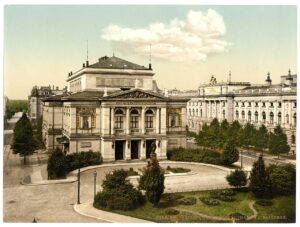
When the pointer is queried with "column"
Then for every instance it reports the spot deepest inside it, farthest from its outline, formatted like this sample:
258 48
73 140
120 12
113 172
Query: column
112 127
143 149
127 150
157 121
127 129
143 120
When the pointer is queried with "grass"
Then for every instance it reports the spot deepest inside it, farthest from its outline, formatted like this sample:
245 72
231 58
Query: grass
283 207
178 170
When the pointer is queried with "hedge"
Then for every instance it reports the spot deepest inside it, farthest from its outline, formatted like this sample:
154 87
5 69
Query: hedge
83 159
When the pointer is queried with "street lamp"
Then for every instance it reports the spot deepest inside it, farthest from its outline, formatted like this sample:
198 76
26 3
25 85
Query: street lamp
95 176
78 186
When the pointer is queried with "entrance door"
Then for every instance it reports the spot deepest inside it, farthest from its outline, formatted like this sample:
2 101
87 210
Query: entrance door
148 147
134 149
119 145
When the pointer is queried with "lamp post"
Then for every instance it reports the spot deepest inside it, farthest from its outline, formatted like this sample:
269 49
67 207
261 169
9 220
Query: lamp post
95 176
78 186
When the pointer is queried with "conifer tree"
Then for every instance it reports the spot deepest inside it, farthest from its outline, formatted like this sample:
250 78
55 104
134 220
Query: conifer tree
230 153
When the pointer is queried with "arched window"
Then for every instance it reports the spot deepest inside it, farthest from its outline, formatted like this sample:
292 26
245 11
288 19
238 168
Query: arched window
263 117
223 114
295 119
134 119
249 116
243 115
190 112
149 118
287 119
119 119
237 115
256 116
271 117
279 118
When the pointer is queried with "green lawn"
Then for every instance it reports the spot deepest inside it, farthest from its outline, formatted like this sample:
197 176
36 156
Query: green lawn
282 210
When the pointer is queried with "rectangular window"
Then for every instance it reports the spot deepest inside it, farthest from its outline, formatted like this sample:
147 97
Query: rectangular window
119 122
134 122
149 121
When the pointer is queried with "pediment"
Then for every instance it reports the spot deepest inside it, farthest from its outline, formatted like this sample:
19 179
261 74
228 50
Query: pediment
136 94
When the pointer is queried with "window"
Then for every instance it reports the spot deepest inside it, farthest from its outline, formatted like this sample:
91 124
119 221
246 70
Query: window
263 117
201 113
243 104
256 116
256 104
279 104
287 120
119 116
264 104
271 118
134 119
293 139
249 116
279 118
223 114
196 112
236 104
295 119
193 112
223 104
149 119
295 105
249 104
85 122
236 115
271 104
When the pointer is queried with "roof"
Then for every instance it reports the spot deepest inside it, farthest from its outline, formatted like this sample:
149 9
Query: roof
116 63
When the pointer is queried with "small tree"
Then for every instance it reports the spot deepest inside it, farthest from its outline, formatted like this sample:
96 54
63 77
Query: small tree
278 142
23 141
237 178
57 165
152 180
262 138
230 153
259 180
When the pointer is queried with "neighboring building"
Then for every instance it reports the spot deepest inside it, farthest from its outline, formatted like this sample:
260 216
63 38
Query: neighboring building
113 106
35 100
266 104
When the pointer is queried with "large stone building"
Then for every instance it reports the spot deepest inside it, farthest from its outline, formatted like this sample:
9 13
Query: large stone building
268 104
113 106
35 103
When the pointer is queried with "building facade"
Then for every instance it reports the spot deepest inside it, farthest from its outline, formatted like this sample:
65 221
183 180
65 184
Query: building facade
113 106
268 104
35 103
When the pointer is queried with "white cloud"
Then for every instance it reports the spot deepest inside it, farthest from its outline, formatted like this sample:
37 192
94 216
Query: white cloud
192 39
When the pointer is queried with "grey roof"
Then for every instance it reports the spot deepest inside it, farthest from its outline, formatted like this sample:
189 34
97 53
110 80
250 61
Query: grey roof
116 63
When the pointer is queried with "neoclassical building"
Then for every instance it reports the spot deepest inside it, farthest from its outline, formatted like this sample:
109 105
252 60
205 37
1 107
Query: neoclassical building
268 104
113 106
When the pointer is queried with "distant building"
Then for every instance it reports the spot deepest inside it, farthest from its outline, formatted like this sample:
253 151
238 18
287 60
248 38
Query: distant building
268 104
35 100
113 106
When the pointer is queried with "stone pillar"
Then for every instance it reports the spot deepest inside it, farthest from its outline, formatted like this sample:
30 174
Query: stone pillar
112 127
127 118
143 149
142 127
127 150
157 121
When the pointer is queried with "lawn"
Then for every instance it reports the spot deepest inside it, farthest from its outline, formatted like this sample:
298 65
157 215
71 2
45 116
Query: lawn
282 210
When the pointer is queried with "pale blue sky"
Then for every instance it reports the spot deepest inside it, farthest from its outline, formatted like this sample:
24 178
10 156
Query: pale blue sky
43 43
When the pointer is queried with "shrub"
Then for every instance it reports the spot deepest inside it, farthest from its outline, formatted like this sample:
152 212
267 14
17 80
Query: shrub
214 194
118 193
187 201
237 178
171 211
230 153
172 197
56 167
264 202
178 170
209 201
226 198
228 192
83 159
238 216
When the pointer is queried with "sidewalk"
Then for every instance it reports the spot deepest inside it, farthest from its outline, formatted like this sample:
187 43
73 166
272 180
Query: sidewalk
88 210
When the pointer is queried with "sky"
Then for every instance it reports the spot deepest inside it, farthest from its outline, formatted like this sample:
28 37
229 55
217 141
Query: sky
189 44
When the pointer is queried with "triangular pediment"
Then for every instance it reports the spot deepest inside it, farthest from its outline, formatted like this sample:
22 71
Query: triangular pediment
135 94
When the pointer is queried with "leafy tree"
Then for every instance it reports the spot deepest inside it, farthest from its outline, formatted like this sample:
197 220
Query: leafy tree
213 135
259 179
230 153
23 141
152 180
278 142
224 132
247 136
237 178
14 106
57 165
282 178
262 138
234 133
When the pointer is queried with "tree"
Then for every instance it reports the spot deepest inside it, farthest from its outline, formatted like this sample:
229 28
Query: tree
57 165
213 134
23 142
278 142
262 138
259 179
247 136
152 180
230 153
237 178
282 179
234 132
224 132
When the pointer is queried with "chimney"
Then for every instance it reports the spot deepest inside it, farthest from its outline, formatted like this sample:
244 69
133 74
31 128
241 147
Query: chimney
87 64
150 66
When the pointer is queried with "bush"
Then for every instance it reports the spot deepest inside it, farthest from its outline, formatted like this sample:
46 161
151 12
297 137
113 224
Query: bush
172 197
131 172
230 153
228 192
178 170
209 201
214 194
238 216
171 211
118 193
56 167
264 202
237 178
226 198
83 159
187 201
